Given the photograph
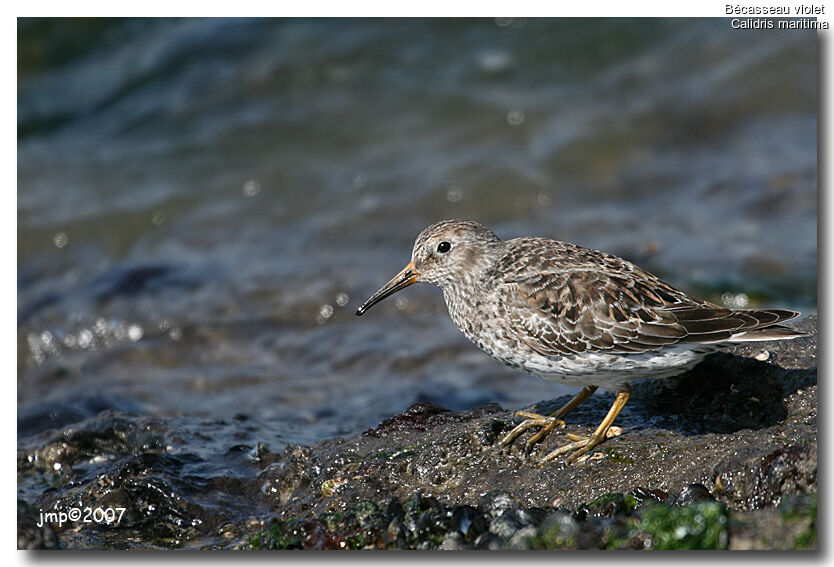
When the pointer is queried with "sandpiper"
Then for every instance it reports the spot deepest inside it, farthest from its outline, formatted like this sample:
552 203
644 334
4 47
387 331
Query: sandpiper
572 315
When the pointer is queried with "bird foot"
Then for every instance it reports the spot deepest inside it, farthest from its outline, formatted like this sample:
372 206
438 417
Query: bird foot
580 445
547 423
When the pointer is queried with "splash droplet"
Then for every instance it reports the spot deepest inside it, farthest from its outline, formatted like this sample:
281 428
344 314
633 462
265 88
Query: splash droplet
325 311
735 300
515 116
360 180
134 332
251 188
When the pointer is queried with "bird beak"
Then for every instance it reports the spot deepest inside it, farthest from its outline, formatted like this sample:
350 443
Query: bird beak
405 278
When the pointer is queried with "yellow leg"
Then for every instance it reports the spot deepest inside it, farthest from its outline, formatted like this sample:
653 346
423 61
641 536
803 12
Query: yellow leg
583 445
583 395
547 423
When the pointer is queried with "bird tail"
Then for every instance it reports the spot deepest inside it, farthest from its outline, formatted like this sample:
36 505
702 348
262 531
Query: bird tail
713 324
767 328
774 333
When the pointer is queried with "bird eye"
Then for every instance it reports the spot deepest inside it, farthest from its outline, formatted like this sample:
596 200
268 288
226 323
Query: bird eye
444 247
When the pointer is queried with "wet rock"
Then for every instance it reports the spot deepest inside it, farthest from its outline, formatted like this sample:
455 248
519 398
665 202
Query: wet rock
692 493
523 539
496 502
53 415
728 437
700 525
558 531
119 481
488 541
791 525
394 536
642 494
492 431
32 531
718 458
281 535
469 522
609 505
452 541
715 397
529 516
285 477
148 502
760 477
420 416
505 526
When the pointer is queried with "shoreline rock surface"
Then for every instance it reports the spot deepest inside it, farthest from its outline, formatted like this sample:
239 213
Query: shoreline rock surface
737 432
724 456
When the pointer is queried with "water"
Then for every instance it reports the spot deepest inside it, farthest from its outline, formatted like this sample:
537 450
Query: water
202 204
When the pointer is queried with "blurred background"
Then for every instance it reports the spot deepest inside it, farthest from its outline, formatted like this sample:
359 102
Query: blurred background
203 204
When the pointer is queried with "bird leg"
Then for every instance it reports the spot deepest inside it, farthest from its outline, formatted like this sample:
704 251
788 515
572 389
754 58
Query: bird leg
582 445
547 423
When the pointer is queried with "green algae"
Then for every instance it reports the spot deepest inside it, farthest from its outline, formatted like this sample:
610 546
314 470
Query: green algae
700 525
802 510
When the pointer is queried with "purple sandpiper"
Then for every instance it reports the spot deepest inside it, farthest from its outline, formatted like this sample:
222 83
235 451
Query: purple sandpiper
572 315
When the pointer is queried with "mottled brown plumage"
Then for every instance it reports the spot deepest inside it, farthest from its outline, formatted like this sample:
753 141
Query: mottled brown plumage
571 314
568 300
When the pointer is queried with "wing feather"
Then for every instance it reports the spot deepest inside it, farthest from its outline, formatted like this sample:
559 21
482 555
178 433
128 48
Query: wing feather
572 300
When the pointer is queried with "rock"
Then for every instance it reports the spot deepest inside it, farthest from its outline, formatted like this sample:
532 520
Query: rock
504 526
558 530
469 522
692 493
791 525
496 502
29 534
523 539
488 541
734 432
724 456
451 542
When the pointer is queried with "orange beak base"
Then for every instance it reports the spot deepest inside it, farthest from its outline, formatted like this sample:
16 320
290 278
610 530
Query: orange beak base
405 278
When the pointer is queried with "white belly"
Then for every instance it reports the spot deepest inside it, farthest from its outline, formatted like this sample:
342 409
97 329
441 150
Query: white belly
607 370
611 370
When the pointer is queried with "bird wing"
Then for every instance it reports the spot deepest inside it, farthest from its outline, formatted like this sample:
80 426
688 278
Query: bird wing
605 304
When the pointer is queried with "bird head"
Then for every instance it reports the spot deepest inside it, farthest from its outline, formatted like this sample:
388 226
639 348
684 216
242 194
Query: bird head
448 253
